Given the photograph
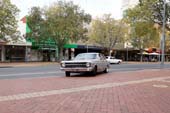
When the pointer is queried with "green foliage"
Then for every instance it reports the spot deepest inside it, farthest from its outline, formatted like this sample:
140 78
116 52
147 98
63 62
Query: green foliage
66 22
157 9
65 17
37 24
8 22
143 33
107 31
167 40
62 22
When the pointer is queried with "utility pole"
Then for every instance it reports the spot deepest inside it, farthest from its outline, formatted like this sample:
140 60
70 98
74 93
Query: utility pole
163 36
87 48
127 52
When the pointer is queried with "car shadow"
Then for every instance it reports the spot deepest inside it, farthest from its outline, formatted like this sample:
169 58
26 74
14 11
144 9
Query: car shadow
86 74
6 67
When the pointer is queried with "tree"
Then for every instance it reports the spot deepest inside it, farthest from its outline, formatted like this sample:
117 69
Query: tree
65 22
8 22
107 32
151 12
37 24
158 18
156 9
144 34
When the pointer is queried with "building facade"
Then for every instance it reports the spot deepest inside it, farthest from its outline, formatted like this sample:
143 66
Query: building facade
11 52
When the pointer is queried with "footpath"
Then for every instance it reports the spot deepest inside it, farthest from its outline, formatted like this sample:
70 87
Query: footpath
144 91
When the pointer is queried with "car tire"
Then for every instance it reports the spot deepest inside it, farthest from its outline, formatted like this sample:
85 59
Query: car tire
118 62
94 72
67 74
106 70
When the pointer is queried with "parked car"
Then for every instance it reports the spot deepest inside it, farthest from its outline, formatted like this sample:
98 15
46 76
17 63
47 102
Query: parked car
113 60
86 62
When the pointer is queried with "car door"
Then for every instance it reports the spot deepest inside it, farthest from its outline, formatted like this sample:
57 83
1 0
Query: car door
112 60
103 62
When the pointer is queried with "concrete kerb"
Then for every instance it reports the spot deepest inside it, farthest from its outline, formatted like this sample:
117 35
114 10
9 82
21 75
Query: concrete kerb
131 62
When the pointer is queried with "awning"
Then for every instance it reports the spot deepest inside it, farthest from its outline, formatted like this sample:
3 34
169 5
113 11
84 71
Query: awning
47 49
19 43
144 53
66 46
154 53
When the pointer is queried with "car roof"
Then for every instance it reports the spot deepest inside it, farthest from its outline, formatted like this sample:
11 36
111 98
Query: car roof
89 53
110 56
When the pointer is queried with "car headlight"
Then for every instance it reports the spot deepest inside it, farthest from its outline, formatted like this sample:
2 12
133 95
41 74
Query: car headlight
63 65
88 64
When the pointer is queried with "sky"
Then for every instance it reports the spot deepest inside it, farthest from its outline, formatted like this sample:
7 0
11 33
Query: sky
94 7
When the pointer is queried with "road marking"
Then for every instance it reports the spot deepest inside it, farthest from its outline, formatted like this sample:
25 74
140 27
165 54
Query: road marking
160 86
133 69
73 90
36 73
168 81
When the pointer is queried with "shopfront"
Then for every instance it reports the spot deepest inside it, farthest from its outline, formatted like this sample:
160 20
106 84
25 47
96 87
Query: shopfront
71 50
17 52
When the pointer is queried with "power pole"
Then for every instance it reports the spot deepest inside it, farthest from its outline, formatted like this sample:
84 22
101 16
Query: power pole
163 36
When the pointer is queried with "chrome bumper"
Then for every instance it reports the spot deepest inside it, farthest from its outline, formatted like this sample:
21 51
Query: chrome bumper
77 69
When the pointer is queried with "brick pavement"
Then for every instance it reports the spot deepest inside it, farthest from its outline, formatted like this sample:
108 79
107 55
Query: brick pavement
117 92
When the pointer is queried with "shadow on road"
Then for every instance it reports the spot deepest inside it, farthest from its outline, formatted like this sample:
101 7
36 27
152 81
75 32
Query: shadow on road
6 67
85 74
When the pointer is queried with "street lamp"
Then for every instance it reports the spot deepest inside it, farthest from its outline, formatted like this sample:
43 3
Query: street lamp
87 48
163 36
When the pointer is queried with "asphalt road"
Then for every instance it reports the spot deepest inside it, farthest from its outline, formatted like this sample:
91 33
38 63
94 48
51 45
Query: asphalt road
54 70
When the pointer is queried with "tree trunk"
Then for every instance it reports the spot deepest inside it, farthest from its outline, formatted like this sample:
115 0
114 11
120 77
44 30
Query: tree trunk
60 56
141 57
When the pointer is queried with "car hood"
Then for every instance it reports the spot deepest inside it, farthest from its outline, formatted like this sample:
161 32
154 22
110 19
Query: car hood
74 61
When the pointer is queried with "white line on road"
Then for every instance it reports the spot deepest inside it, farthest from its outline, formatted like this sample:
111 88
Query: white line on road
78 89
35 73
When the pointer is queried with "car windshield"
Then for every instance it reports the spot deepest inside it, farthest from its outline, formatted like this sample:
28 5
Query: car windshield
85 56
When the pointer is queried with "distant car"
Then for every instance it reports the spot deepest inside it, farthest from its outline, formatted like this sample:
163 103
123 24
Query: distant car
86 62
113 60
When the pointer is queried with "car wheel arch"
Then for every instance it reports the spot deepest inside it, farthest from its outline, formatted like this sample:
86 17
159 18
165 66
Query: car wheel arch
94 71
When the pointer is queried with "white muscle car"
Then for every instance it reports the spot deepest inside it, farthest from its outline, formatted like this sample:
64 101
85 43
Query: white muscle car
85 62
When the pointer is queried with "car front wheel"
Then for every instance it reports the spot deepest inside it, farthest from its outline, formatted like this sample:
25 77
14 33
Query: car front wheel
94 72
67 74
106 70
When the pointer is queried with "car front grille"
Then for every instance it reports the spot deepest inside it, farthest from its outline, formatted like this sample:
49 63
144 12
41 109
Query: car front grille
75 65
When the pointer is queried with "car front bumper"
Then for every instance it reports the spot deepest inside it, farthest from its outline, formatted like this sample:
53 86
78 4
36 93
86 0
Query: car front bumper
89 69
